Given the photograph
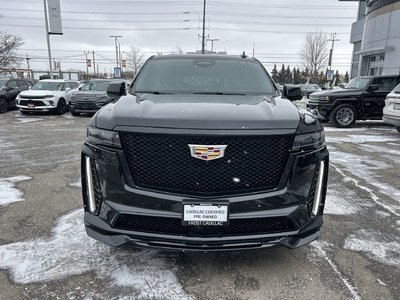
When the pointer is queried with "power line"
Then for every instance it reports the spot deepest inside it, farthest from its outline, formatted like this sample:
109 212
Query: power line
218 21
172 29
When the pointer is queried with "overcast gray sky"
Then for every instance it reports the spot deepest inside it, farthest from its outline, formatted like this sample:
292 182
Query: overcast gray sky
277 28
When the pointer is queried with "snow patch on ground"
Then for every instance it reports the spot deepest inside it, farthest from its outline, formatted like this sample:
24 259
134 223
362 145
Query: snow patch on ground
367 138
320 250
144 274
8 192
365 168
77 183
27 120
375 246
382 214
341 201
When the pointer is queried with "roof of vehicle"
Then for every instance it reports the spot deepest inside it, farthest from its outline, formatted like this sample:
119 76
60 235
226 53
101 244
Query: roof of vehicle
99 79
201 56
377 76
58 80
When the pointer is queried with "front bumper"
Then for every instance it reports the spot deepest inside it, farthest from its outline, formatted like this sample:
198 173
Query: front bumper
320 109
392 120
36 105
286 210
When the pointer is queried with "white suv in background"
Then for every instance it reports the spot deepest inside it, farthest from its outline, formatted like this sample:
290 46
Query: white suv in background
47 95
391 111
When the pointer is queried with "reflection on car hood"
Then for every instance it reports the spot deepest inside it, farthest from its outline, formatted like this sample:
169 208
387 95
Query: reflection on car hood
338 93
200 112
38 93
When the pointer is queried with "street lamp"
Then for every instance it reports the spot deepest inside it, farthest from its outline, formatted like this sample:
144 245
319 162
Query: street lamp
116 46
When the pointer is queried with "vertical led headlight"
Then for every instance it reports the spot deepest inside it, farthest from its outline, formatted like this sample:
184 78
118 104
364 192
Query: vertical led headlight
318 189
89 185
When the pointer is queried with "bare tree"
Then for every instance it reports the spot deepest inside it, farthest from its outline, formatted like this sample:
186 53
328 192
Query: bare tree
314 54
179 50
135 60
9 44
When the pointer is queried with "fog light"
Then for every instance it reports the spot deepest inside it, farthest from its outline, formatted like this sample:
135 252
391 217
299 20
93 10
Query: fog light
318 192
51 102
89 185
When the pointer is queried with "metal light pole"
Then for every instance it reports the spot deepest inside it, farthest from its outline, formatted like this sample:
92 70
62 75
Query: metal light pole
332 39
204 28
212 43
87 67
48 38
116 46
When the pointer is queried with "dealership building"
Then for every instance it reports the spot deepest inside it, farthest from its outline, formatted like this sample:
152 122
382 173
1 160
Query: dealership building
376 38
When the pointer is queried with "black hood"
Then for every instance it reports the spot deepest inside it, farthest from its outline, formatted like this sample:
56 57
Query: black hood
338 93
199 112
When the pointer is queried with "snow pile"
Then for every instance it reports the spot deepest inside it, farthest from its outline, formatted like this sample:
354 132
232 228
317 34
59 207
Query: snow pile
69 251
8 192
375 247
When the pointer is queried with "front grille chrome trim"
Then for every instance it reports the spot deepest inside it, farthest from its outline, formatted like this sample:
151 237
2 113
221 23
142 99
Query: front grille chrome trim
89 184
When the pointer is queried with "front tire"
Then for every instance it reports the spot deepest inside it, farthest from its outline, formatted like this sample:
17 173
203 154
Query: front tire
3 106
344 115
61 107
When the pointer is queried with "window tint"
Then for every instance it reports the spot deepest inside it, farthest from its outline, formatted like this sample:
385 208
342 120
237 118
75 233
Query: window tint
74 85
203 75
12 84
23 83
385 84
397 88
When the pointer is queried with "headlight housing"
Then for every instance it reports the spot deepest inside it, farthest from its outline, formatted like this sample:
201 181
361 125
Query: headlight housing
312 140
97 136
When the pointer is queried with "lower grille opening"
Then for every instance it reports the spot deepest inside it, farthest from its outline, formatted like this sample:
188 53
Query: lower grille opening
174 226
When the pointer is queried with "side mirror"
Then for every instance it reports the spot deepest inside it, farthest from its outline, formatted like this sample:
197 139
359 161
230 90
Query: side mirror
292 92
116 89
373 87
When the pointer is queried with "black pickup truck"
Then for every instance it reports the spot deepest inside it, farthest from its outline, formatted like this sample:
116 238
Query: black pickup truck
203 153
363 98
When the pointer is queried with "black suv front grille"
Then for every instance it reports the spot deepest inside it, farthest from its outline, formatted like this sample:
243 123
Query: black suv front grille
174 226
164 163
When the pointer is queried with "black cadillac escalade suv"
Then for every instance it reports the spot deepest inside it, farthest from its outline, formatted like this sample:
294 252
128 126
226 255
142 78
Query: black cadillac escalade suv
204 153
363 98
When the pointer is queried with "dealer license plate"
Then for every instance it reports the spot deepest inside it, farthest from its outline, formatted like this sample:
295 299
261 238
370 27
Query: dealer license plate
396 106
205 214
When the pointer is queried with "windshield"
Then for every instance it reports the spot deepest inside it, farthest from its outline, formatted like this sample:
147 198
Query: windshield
47 85
2 83
203 75
358 84
95 86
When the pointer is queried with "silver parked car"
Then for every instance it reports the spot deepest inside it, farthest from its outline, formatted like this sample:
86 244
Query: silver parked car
391 111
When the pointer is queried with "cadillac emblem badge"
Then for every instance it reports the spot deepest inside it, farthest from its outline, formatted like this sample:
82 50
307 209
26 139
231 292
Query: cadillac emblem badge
207 152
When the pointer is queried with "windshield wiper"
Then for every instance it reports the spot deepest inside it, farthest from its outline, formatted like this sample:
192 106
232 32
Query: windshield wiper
219 93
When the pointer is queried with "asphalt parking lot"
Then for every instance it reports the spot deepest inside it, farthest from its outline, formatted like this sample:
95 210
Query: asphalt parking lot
45 253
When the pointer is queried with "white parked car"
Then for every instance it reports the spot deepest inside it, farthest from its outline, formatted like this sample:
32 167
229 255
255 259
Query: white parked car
391 111
47 95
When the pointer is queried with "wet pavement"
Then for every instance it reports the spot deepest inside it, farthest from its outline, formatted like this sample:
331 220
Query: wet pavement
45 253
